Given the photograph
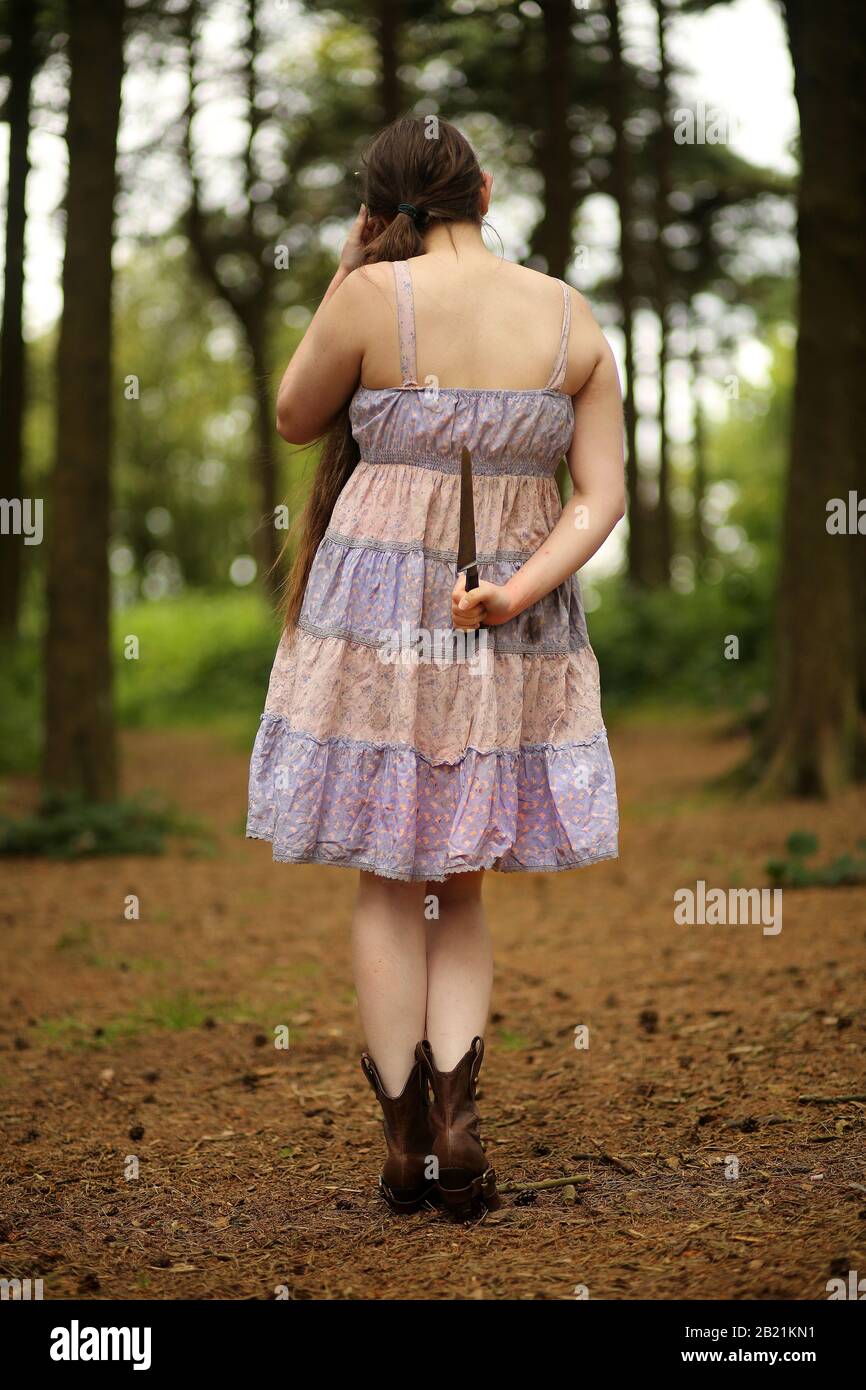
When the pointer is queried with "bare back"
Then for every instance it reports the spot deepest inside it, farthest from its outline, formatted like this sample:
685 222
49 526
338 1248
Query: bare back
482 324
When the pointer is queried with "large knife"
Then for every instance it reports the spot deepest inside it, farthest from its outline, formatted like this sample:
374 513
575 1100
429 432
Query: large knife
467 555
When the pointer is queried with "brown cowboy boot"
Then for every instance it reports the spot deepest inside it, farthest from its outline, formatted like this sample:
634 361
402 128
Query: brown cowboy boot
466 1183
403 1181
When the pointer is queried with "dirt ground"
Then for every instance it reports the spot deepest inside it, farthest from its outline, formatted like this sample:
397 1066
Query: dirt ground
157 1144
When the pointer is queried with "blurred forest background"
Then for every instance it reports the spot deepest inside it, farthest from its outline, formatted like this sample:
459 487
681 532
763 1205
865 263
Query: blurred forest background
182 174
202 215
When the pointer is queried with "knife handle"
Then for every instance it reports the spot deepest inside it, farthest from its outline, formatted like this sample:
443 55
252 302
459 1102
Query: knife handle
472 583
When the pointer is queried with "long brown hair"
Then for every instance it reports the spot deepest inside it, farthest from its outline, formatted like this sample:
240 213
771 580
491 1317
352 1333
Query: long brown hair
426 162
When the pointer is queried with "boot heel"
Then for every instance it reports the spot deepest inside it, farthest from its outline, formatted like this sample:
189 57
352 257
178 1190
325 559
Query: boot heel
464 1200
403 1201
489 1194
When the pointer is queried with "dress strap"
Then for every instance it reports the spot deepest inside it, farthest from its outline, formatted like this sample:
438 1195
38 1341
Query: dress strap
405 322
557 376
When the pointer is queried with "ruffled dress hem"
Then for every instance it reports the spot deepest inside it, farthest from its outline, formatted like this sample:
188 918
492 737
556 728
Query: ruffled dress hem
395 811
318 856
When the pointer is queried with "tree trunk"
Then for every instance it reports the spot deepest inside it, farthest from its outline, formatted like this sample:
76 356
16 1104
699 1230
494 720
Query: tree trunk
664 144
552 238
80 754
209 239
13 388
699 460
621 180
814 736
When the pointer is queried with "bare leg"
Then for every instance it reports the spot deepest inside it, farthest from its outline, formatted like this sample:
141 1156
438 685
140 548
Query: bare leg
459 969
390 966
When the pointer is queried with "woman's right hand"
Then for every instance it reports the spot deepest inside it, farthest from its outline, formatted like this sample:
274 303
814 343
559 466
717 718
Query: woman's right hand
352 254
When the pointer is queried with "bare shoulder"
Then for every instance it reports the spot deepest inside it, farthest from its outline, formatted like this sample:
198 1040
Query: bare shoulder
588 348
532 282
581 309
535 281
374 279
366 294
364 287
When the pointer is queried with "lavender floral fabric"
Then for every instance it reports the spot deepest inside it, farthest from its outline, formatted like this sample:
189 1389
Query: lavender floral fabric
391 811
385 748
364 592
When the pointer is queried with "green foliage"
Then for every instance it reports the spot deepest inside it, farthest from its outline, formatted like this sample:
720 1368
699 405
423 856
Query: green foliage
203 659
749 451
801 844
69 828
793 871
661 647
184 505
20 700
173 1013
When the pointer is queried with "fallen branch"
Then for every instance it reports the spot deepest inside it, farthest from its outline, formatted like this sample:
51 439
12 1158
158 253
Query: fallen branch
543 1186
615 1162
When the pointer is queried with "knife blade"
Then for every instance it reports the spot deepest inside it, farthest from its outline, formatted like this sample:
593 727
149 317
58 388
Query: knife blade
467 555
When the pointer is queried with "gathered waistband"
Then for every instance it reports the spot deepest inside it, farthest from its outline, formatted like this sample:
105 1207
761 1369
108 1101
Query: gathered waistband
495 467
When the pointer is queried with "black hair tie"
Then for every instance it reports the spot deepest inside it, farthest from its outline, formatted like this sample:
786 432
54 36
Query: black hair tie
410 211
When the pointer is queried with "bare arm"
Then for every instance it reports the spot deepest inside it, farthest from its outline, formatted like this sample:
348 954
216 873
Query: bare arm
326 365
595 461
